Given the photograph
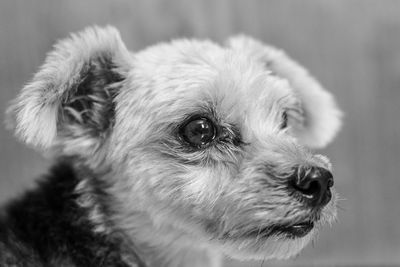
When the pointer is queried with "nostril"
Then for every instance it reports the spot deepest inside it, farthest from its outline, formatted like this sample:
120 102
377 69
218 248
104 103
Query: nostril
309 188
314 185
330 182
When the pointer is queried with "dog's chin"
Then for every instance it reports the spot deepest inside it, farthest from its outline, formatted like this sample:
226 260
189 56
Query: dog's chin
279 241
276 242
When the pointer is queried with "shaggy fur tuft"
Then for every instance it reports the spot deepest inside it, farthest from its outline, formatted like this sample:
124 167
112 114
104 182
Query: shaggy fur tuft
79 72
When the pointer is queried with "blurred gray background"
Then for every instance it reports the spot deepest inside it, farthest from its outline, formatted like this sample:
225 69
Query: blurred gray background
351 46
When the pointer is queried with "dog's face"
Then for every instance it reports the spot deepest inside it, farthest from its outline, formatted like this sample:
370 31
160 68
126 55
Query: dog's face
211 140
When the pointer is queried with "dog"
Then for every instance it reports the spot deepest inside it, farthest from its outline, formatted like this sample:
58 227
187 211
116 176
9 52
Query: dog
177 155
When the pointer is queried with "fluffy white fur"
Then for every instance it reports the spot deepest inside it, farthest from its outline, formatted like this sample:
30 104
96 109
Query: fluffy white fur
189 208
322 116
38 105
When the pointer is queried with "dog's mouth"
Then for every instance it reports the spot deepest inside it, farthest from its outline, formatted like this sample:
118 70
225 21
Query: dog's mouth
297 230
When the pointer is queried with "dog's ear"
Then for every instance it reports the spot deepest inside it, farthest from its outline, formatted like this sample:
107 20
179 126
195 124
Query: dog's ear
321 116
71 98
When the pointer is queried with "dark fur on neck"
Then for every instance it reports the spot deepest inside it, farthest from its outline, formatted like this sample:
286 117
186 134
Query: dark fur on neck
47 226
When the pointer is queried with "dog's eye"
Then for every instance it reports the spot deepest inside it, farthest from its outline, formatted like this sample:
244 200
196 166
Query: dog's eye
284 123
198 132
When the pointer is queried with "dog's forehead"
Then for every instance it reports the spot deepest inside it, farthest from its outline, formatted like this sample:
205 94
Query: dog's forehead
186 65
177 79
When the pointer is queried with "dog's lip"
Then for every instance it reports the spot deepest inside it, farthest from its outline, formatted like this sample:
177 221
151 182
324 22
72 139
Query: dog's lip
297 230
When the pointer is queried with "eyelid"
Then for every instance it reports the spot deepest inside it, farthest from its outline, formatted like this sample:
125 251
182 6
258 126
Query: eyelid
230 133
225 132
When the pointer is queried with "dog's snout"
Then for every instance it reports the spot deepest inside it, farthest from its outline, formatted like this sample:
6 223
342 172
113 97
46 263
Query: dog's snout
314 185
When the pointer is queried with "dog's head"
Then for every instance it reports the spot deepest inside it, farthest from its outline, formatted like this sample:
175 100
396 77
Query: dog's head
211 140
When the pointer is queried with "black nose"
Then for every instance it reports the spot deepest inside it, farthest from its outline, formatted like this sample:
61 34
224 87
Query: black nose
314 185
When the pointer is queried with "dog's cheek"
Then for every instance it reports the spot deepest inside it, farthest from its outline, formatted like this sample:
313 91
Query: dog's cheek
195 193
256 197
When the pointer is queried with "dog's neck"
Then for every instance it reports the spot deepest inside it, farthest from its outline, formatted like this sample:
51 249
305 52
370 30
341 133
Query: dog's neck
161 246
69 220
166 246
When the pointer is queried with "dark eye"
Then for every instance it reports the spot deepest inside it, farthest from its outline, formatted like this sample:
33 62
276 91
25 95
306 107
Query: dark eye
284 122
198 132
